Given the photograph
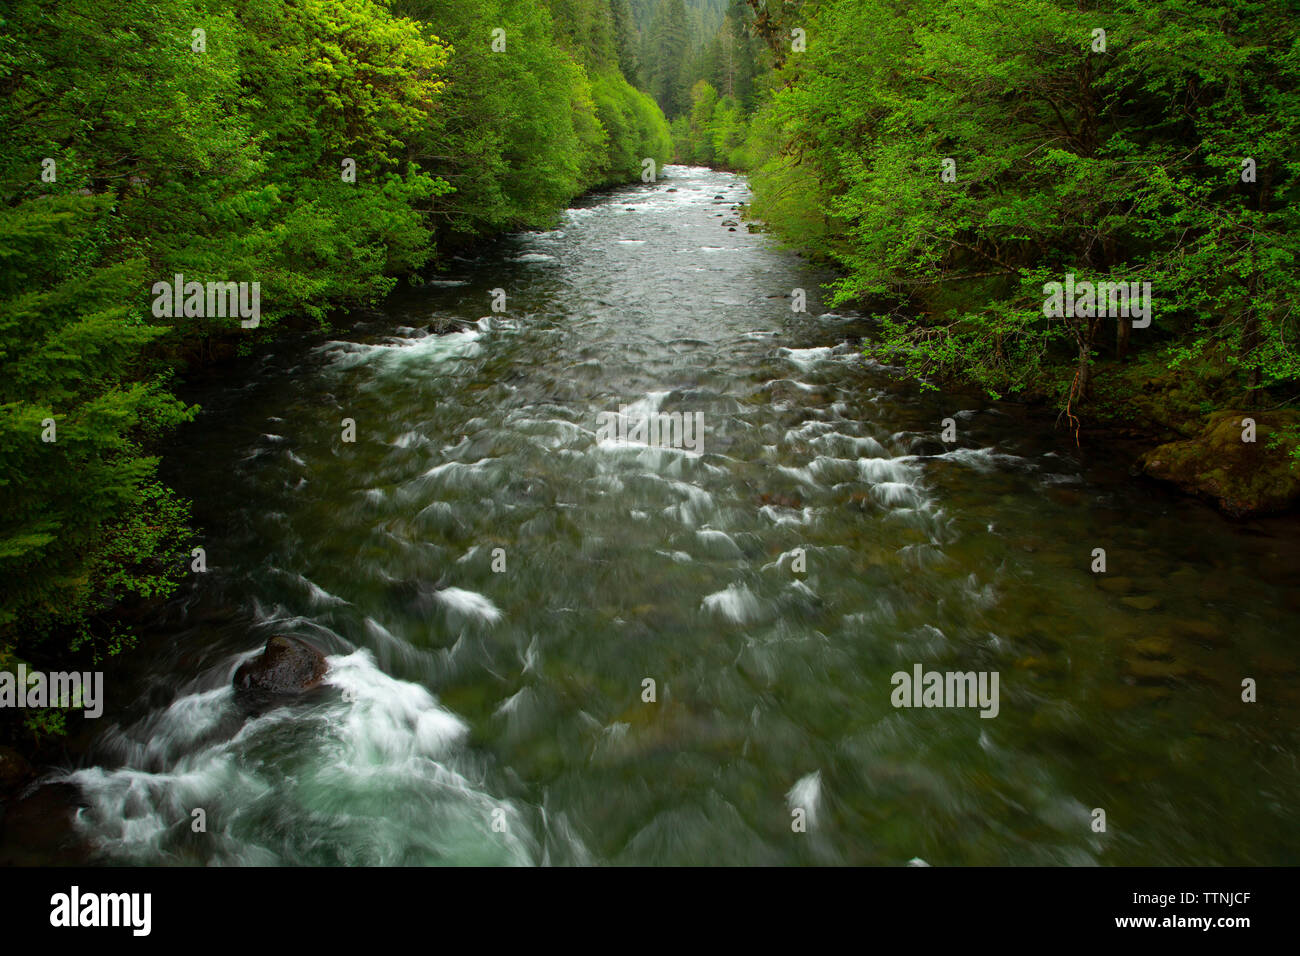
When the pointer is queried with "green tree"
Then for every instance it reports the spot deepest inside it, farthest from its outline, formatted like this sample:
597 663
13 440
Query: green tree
1114 159
704 100
668 49
318 149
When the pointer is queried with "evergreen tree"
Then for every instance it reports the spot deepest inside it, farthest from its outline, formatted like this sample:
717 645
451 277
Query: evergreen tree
668 50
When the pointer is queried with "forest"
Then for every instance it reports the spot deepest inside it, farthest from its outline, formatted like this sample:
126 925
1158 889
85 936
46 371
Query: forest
647 433
324 149
952 158
951 161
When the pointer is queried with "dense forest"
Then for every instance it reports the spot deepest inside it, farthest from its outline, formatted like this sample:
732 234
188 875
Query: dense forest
951 160
323 149
647 432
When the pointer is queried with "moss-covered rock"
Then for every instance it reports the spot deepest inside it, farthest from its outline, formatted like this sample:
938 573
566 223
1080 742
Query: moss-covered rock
1242 478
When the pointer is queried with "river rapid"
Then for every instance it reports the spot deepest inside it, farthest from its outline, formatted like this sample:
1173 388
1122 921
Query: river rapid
497 582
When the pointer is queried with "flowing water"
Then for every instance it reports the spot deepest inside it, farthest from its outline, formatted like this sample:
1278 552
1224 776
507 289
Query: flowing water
495 581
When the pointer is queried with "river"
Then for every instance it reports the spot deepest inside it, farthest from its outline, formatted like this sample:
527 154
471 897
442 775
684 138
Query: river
496 583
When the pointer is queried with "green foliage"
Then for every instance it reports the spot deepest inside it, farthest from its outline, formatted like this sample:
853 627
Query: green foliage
696 142
497 137
711 83
83 525
225 157
45 722
637 129
715 132
667 51
1120 164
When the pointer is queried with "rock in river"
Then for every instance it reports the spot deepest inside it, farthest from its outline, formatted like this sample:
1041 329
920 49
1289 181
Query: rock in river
286 667
1243 474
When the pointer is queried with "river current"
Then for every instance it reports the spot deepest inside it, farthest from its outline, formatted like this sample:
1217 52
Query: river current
550 646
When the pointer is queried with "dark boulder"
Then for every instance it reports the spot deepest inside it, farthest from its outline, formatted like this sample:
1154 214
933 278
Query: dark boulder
285 668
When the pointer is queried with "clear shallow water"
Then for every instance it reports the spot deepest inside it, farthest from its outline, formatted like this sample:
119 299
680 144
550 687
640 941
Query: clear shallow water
483 716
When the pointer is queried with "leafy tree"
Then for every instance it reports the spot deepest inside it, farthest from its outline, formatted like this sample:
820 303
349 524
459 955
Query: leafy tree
704 100
321 149
1115 158
85 524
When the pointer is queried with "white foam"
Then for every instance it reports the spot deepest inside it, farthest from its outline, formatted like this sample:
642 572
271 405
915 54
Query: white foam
364 775
786 515
893 493
736 603
779 563
881 470
469 604
681 557
807 358
464 474
719 542
388 719
982 459
404 352
806 795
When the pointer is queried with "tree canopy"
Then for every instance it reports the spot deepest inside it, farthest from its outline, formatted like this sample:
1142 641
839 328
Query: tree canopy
321 149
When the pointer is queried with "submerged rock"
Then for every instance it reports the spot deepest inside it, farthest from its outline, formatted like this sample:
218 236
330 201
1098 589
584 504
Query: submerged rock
1242 478
445 325
286 667
1141 603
